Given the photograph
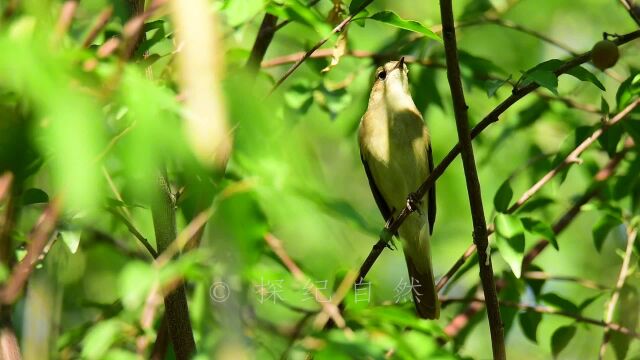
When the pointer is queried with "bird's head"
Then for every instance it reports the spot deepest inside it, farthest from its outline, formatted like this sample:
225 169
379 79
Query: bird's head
392 84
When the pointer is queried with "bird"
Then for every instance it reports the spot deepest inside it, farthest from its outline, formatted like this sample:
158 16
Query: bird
395 149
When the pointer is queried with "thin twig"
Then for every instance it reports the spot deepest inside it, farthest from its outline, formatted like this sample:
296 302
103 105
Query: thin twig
547 310
38 239
480 236
329 308
541 275
573 156
134 231
622 276
101 21
335 30
64 20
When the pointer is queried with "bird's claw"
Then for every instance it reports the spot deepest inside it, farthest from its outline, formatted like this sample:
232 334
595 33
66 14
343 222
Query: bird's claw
414 202
387 235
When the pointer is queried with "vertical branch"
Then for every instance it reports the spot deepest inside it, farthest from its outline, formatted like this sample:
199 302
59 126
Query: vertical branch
622 276
175 302
480 237
263 39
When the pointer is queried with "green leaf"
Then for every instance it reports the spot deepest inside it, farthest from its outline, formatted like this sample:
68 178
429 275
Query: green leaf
546 79
299 97
476 8
558 302
561 338
628 90
510 241
604 106
391 18
503 197
240 11
71 238
135 282
602 228
100 338
34 196
583 74
535 204
296 11
492 85
529 322
542 229
355 4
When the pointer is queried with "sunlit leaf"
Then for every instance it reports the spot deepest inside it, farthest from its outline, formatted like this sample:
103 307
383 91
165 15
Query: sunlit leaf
391 18
510 240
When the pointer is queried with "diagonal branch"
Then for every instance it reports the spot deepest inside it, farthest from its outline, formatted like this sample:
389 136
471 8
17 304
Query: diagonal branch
308 54
38 240
327 307
480 236
622 276
632 9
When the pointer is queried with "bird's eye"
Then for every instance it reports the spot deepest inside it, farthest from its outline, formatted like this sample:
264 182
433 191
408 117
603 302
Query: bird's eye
382 75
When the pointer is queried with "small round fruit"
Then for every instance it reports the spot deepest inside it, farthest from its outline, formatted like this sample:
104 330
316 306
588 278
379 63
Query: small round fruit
604 54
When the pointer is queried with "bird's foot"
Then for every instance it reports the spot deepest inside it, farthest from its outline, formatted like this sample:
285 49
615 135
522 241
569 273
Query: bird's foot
414 202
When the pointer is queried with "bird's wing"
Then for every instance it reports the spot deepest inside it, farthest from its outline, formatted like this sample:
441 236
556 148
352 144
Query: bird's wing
385 210
431 206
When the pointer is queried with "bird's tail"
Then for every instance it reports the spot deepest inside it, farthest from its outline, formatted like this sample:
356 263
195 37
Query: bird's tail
418 255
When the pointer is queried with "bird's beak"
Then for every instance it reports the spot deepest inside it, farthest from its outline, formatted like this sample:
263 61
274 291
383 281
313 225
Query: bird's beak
400 63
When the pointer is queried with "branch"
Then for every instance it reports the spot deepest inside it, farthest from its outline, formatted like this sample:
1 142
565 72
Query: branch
573 156
329 308
132 229
335 30
633 11
64 20
622 276
480 236
175 302
458 322
263 39
37 242
101 21
546 310
492 117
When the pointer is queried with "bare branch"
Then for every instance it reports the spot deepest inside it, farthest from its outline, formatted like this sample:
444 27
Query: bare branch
101 21
632 9
480 235
328 307
38 240
546 310
632 233
335 30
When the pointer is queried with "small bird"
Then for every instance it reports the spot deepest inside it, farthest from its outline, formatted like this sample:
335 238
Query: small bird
395 148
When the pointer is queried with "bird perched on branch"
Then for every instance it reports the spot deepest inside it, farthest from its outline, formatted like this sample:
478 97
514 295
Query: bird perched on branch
395 149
